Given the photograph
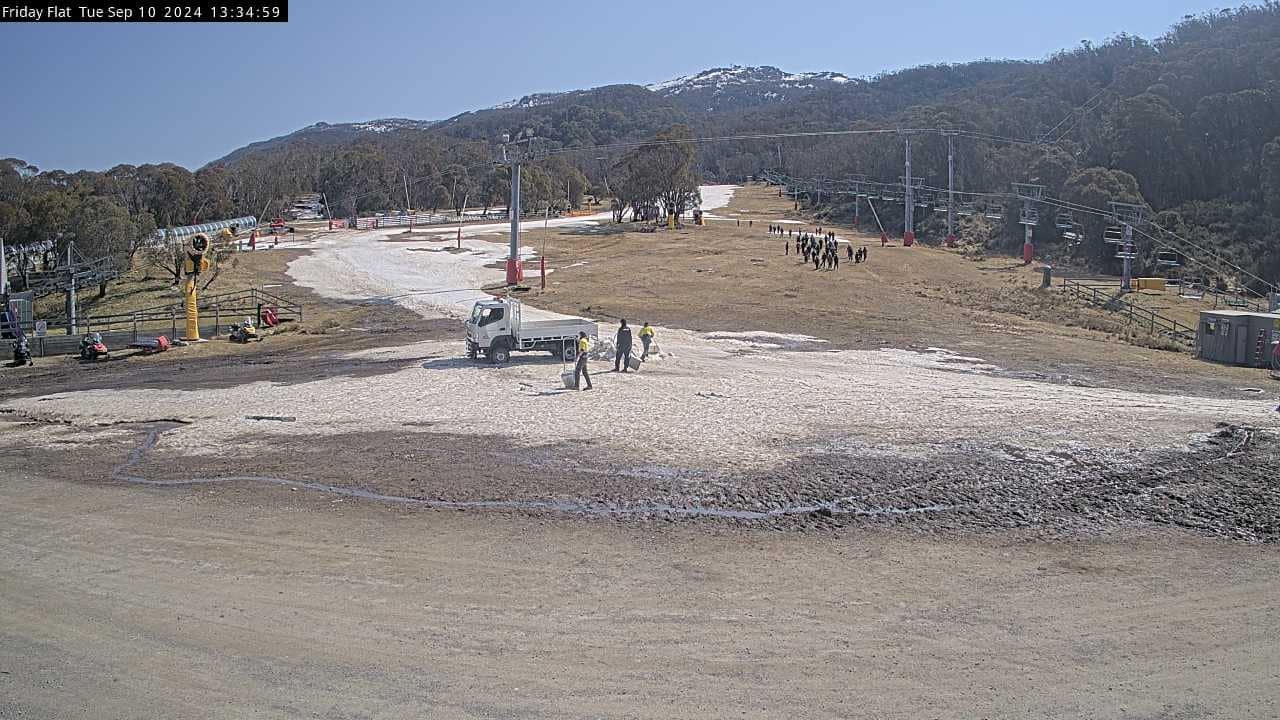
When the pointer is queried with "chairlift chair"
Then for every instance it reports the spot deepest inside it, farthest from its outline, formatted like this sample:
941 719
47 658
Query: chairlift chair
1030 215
1168 259
1113 234
1064 220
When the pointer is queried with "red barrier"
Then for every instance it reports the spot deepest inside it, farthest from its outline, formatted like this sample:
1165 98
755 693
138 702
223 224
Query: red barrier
1028 253
908 239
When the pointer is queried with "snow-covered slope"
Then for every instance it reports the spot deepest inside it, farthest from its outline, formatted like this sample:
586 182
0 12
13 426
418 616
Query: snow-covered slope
739 86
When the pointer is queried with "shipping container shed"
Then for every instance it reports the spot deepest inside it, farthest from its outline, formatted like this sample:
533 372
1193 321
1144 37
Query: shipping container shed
1237 337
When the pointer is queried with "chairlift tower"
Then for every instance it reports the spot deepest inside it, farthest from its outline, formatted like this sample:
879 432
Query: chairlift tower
1128 215
512 155
1030 194
951 190
908 202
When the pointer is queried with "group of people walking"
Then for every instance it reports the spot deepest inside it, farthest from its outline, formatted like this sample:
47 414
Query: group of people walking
818 247
621 354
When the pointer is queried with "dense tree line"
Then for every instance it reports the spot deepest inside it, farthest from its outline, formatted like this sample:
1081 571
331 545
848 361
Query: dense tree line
656 179
115 213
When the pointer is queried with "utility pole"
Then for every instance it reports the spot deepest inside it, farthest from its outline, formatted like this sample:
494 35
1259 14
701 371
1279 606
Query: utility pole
513 256
951 193
908 232
407 209
1126 282
71 293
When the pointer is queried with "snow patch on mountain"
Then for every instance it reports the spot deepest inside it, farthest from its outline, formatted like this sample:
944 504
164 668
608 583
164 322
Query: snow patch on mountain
738 75
530 101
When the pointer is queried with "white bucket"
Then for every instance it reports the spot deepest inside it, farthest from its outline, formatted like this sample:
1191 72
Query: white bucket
567 378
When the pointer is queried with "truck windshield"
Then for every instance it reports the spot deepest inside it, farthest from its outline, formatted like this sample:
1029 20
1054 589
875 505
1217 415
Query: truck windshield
490 315
475 315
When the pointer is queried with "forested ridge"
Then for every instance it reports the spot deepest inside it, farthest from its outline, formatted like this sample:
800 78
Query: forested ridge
1188 123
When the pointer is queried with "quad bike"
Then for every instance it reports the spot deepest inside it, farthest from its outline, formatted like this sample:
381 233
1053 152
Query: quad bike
92 348
21 353
244 332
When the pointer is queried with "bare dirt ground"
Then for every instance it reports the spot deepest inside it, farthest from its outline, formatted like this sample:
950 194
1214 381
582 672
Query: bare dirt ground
914 488
120 602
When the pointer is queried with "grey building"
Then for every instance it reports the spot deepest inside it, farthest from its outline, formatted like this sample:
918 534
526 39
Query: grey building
1237 337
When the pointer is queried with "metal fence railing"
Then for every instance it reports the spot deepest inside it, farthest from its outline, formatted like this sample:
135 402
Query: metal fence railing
216 313
1150 320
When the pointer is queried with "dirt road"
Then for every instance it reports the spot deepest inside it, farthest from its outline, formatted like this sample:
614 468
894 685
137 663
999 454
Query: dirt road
126 603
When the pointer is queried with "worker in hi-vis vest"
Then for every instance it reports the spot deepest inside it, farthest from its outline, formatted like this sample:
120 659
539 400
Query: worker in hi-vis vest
646 337
580 367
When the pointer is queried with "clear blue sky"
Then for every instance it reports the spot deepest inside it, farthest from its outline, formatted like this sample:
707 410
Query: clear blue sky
92 96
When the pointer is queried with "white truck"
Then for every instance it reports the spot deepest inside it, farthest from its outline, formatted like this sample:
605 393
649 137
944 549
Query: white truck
496 329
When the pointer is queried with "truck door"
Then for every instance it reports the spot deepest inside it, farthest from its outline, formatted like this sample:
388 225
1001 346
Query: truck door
515 321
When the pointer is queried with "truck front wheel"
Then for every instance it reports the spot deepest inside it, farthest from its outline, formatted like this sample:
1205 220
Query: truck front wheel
499 352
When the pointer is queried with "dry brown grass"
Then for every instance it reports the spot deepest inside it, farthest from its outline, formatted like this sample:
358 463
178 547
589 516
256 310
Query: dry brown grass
727 276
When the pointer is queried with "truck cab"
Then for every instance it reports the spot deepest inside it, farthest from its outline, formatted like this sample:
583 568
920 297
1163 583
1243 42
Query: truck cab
490 320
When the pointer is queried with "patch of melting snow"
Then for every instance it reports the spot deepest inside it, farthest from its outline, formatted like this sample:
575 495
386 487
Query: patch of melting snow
715 197
941 359
766 340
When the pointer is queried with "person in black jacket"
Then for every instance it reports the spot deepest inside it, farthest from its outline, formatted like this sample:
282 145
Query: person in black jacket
623 344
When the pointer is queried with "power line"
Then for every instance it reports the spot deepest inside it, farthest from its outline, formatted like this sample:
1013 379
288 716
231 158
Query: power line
1080 109
654 142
